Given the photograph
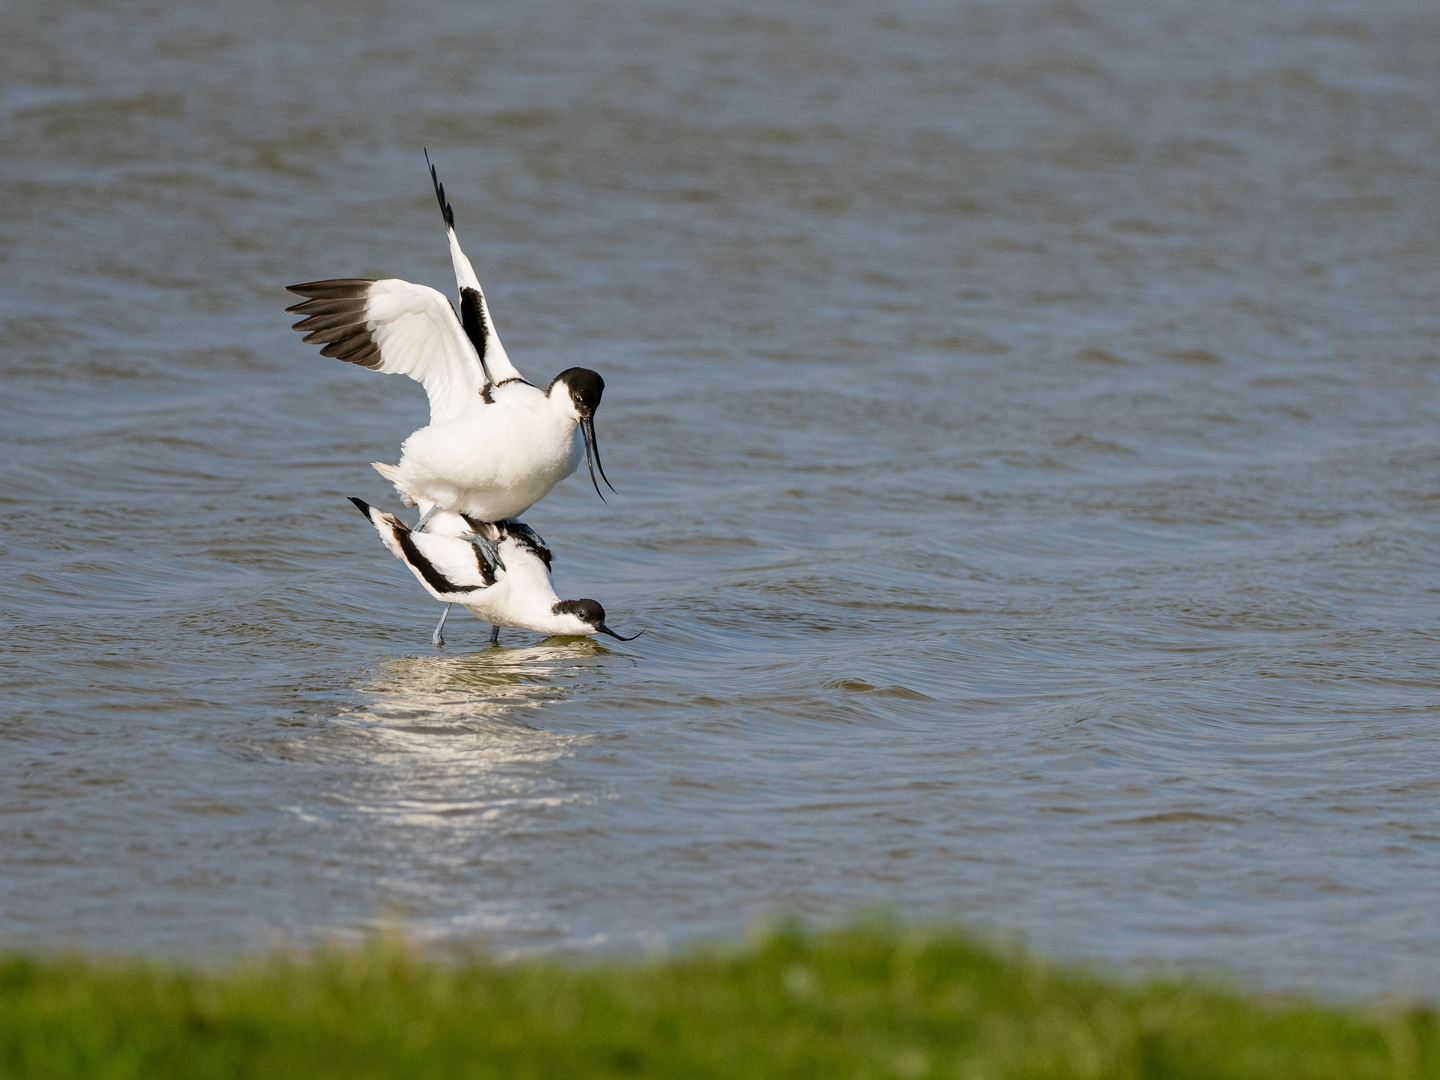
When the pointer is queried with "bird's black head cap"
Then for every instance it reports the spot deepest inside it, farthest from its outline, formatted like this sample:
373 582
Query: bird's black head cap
585 387
587 611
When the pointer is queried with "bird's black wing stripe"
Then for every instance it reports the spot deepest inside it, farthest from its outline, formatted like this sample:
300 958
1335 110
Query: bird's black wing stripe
433 577
472 317
529 539
487 572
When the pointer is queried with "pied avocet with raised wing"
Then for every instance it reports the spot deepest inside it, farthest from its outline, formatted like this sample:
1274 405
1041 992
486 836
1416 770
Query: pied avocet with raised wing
513 590
496 444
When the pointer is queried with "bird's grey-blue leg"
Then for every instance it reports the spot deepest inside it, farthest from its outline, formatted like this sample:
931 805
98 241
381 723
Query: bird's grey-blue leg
437 638
494 635
425 517
489 549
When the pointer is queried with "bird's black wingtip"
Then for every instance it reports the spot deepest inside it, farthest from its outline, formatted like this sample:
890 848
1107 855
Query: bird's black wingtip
362 506
445 211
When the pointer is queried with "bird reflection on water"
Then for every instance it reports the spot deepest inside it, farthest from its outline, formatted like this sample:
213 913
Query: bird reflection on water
483 687
454 736
435 793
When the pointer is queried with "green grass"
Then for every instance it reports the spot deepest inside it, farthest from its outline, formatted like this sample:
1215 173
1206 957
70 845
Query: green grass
865 1002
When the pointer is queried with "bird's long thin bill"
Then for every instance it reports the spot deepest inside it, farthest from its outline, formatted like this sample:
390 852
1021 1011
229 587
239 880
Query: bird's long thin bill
587 430
587 425
617 637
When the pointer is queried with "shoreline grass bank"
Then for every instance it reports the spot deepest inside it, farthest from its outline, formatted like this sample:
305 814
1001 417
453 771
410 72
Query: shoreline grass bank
862 1002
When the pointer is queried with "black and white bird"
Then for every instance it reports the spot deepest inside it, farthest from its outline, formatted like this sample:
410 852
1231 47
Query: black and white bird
514 590
496 444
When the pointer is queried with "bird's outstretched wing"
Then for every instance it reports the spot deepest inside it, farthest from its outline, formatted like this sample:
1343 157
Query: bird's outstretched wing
474 312
396 327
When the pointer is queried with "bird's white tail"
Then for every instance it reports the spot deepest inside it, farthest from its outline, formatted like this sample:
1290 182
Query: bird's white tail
392 473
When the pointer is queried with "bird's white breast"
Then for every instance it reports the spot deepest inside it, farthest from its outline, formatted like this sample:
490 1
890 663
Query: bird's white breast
495 461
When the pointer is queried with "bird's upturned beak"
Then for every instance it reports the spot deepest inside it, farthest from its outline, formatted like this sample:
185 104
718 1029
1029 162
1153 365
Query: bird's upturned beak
606 630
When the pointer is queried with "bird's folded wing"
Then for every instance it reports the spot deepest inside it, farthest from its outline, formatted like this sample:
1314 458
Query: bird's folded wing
449 567
396 327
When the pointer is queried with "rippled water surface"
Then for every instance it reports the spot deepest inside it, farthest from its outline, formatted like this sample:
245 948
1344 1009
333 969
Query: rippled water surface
1024 416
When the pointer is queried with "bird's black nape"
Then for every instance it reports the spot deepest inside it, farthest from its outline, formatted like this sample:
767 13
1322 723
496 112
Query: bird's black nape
445 210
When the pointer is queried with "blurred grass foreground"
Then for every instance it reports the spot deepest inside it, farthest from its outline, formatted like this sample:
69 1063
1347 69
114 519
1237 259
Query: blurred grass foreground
863 1002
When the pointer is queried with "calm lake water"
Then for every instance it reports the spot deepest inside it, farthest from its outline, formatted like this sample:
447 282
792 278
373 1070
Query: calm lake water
1025 421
